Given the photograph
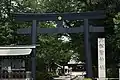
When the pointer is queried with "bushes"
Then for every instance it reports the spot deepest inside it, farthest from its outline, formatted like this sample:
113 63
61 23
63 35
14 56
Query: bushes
44 76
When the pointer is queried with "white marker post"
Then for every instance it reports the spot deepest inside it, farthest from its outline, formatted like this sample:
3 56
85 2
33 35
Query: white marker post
119 73
101 59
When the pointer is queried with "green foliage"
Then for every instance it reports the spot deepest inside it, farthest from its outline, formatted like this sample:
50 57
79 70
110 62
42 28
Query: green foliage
61 5
53 49
44 76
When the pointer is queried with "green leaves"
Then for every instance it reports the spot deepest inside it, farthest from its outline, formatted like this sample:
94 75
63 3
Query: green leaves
52 48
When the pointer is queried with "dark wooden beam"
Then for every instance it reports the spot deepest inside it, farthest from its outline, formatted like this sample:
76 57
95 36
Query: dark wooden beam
60 30
54 16
33 39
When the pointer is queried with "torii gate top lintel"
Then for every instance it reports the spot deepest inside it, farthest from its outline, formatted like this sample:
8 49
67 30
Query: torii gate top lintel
54 16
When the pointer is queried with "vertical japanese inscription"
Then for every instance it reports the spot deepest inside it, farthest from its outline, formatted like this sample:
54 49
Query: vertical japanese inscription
101 58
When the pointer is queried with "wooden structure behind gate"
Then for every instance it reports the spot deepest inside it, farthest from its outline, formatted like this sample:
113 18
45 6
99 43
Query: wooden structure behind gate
15 62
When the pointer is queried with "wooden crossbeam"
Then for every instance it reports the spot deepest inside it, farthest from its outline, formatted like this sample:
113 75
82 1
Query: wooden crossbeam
54 16
60 30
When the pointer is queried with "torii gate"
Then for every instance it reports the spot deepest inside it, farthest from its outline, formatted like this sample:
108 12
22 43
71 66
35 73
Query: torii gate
59 17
